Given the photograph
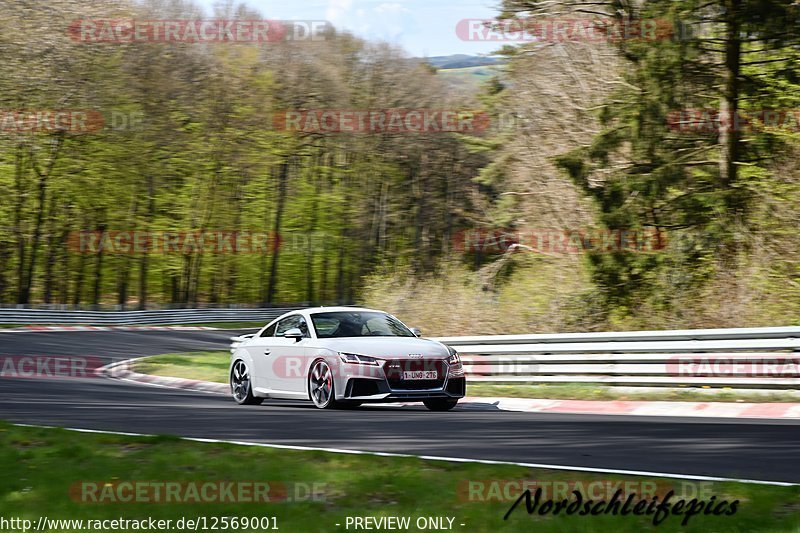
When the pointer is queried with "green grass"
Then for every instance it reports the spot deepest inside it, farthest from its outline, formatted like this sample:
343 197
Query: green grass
204 366
42 466
213 366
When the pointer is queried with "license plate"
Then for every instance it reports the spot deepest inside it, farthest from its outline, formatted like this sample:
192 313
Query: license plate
420 374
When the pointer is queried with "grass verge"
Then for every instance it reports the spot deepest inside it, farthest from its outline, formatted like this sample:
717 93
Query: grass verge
205 366
45 470
213 366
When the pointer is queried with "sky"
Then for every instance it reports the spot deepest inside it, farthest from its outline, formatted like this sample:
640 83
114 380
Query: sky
422 27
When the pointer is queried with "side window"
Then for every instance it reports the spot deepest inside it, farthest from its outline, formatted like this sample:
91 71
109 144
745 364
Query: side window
270 331
294 321
303 326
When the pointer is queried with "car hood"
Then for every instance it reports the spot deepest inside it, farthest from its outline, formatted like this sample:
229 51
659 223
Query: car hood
384 347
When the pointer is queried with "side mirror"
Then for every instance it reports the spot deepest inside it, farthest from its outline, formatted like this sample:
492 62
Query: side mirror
293 333
416 331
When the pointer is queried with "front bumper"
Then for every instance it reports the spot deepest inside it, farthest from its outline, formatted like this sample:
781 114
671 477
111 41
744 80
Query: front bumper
385 383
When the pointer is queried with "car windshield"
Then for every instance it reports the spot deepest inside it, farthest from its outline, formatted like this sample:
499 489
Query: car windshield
358 324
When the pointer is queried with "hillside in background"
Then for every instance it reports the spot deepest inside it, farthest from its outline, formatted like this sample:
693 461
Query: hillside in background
468 80
466 74
462 61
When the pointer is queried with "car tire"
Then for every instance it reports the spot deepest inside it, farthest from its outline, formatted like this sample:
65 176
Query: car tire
241 385
440 404
321 387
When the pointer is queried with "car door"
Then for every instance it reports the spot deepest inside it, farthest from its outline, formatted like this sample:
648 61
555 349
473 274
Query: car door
260 348
280 361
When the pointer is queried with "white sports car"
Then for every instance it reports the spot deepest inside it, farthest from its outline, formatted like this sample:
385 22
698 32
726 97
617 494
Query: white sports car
343 357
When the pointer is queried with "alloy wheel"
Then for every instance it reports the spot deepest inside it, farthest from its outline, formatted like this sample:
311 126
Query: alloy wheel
240 382
320 384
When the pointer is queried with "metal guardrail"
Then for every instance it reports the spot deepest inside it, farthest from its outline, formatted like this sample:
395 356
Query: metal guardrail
155 306
624 336
752 358
147 317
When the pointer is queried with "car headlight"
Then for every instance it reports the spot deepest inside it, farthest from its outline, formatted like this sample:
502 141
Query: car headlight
356 359
455 368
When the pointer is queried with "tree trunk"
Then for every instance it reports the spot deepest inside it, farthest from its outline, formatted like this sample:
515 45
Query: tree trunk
27 281
273 269
143 263
122 284
730 135
78 290
273 243
340 274
312 227
5 254
98 268
20 202
50 254
49 264
44 175
124 273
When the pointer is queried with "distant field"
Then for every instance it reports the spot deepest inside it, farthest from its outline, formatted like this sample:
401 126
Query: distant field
469 78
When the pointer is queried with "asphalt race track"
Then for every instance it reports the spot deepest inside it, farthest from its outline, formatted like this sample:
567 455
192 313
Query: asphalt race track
748 449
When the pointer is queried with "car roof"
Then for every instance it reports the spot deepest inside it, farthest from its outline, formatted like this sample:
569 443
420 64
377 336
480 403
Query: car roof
333 309
315 310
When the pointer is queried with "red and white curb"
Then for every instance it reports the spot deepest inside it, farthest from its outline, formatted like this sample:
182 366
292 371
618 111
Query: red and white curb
106 328
783 411
648 408
123 371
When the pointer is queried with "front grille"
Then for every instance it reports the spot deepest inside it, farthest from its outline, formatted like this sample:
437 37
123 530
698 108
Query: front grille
394 373
362 387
